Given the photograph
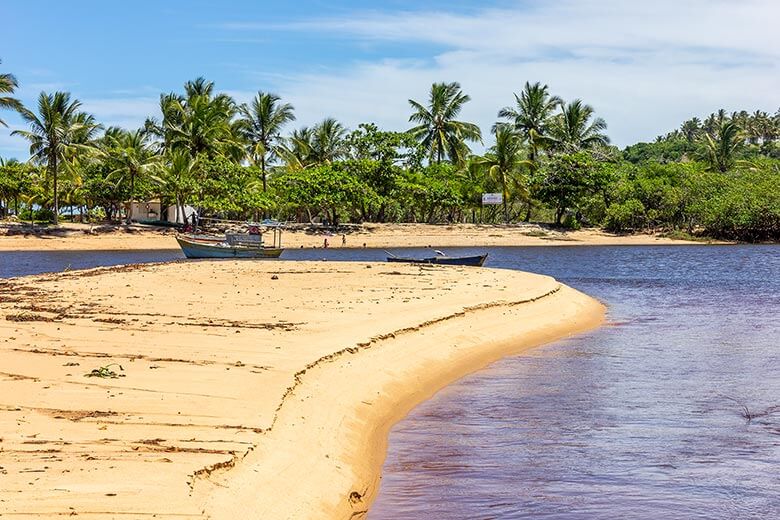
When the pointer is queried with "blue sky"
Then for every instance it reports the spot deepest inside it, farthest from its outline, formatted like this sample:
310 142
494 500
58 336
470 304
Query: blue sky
644 66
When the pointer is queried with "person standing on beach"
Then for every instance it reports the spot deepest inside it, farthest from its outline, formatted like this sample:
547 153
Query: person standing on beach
325 244
343 240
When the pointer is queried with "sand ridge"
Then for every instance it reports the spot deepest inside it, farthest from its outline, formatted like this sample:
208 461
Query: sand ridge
240 376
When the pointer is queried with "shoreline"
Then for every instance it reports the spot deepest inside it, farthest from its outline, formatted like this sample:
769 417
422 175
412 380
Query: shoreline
231 389
351 495
79 238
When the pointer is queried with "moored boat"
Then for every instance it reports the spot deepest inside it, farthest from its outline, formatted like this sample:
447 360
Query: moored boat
475 260
232 245
192 247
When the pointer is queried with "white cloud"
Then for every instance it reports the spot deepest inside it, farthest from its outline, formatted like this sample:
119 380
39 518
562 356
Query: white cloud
645 67
13 147
128 113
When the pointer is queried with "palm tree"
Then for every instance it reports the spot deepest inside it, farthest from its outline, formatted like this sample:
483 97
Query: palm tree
7 86
56 132
573 130
296 151
531 115
328 142
438 131
691 129
130 156
503 162
721 148
263 120
199 122
177 178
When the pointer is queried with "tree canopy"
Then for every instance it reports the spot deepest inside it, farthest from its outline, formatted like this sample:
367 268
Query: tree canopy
717 175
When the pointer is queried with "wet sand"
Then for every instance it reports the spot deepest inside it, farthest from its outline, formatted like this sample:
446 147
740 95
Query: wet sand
372 235
245 388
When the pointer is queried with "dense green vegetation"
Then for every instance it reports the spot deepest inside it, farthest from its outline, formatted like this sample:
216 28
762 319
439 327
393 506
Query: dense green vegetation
550 159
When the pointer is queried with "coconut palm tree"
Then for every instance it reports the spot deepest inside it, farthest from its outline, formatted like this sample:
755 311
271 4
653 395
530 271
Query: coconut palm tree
328 141
130 157
57 132
531 114
262 122
575 129
691 129
296 150
7 86
177 178
199 122
721 148
438 131
504 162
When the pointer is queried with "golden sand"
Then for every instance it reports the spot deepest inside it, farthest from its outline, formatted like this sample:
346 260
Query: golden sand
246 389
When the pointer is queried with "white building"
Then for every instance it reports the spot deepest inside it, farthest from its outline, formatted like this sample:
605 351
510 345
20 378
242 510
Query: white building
154 211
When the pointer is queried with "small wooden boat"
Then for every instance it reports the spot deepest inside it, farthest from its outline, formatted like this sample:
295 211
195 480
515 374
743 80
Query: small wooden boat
233 245
476 260
194 248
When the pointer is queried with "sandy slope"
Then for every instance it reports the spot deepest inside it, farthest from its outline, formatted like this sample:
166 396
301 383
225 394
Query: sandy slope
372 235
243 395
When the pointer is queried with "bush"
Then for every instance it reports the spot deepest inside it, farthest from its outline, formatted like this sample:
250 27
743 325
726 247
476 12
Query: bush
38 215
570 222
96 214
625 216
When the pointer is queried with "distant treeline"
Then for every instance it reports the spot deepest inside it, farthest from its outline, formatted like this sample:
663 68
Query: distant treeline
550 159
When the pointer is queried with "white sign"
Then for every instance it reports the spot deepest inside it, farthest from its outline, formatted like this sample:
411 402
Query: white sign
492 198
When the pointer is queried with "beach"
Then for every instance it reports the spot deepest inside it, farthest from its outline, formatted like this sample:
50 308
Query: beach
78 237
235 389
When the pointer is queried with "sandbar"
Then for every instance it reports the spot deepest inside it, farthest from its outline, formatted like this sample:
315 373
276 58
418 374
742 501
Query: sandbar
230 389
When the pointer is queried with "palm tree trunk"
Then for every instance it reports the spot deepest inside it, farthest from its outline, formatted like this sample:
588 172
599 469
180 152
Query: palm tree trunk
132 191
262 169
56 200
503 198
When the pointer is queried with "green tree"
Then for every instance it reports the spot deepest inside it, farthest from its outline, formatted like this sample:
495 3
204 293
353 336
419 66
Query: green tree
721 147
328 141
177 179
56 133
325 189
130 157
574 128
199 121
565 179
504 162
438 131
101 191
531 115
15 182
432 194
323 143
691 129
296 151
8 84
262 122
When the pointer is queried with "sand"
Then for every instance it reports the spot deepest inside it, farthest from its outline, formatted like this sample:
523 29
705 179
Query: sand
246 389
372 235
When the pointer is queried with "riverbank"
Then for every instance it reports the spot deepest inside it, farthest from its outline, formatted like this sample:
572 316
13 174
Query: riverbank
212 398
76 237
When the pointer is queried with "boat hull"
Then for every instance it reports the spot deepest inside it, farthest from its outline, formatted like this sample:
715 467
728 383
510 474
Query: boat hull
193 248
475 261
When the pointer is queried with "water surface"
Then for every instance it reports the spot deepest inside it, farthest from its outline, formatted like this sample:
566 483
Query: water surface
645 418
